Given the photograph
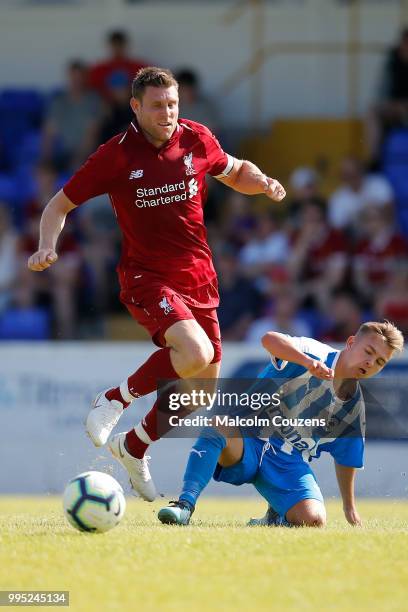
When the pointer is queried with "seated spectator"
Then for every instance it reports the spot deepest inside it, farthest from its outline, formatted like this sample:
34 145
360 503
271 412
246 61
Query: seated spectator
391 110
318 259
194 104
72 121
57 286
283 318
392 304
239 219
345 315
356 192
240 302
100 247
46 184
269 248
305 187
119 65
8 256
380 252
117 114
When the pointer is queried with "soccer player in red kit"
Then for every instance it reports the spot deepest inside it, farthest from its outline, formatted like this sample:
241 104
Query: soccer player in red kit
154 174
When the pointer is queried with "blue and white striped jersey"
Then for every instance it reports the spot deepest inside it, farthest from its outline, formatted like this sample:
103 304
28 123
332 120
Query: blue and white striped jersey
306 396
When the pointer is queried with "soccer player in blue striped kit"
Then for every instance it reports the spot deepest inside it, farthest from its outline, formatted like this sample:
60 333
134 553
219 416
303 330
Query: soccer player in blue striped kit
318 377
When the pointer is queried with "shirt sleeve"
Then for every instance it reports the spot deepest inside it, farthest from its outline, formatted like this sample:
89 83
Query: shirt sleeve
219 163
305 345
94 178
347 451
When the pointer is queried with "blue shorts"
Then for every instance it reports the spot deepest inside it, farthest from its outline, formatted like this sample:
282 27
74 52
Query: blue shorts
282 479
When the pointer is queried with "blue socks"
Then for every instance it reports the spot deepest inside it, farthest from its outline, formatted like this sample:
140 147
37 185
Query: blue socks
201 464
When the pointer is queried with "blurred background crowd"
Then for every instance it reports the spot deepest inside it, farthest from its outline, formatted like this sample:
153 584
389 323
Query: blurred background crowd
316 265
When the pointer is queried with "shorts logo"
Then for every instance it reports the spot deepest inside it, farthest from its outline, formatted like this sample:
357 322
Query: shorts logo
199 453
192 187
188 162
135 174
166 306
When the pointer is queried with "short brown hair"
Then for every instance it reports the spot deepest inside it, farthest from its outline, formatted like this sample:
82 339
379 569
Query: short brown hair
388 331
152 76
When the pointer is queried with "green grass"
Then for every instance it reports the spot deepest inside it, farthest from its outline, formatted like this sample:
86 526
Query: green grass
217 563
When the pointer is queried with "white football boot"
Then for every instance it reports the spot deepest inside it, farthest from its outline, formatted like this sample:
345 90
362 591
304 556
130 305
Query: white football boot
102 418
138 469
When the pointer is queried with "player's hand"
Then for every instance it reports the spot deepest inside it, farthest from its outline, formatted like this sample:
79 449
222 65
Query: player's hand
353 517
319 369
42 259
273 189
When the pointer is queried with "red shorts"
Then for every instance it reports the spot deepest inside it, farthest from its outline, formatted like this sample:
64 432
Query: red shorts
158 307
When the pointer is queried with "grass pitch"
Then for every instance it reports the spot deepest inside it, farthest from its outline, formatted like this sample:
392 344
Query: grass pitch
217 563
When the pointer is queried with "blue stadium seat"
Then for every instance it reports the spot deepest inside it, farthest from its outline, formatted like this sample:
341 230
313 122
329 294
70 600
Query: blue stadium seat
25 324
395 167
21 111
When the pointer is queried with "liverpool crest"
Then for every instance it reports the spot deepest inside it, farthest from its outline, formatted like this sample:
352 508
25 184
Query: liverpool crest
188 162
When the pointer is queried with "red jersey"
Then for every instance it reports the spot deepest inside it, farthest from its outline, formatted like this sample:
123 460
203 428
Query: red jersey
158 196
379 258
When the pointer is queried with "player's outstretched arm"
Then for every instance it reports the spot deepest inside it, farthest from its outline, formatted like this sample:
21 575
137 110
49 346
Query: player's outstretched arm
345 478
281 346
51 224
247 178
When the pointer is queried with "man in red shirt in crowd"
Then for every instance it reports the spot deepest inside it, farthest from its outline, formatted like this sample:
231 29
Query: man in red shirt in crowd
155 174
118 65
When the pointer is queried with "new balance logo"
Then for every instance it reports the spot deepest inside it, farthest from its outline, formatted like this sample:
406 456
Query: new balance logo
192 187
135 174
166 306
199 453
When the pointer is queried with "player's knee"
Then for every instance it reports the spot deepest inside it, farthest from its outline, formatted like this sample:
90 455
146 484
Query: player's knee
314 519
198 355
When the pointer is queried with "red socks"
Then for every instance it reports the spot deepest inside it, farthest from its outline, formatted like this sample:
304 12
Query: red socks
115 394
144 380
157 367
139 438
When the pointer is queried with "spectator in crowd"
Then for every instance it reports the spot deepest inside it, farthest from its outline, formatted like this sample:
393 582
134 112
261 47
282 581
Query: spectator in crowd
392 303
344 316
45 185
305 187
283 318
194 104
318 259
356 192
8 256
117 114
268 249
238 218
240 302
57 288
118 65
71 125
100 250
379 253
392 107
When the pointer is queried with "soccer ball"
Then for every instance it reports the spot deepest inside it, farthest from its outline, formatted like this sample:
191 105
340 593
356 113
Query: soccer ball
94 502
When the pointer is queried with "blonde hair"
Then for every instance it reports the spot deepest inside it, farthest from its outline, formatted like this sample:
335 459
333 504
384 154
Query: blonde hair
391 335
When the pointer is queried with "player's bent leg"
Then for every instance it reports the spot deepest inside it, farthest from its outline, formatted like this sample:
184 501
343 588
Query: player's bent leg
191 349
307 513
201 465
